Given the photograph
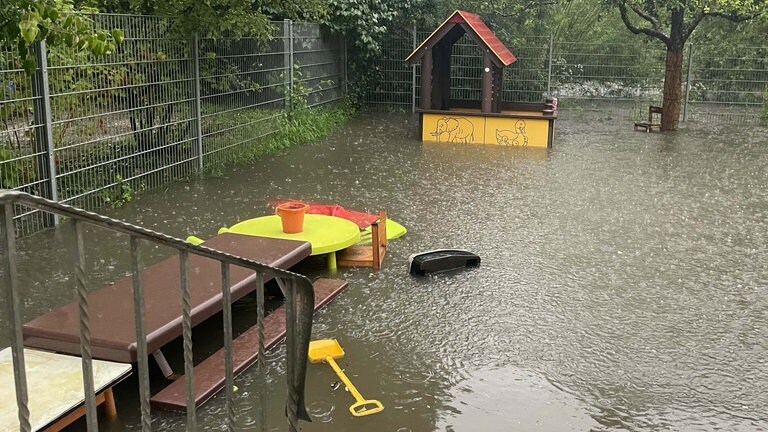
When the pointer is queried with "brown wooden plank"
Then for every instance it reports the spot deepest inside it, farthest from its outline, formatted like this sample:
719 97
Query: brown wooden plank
75 414
209 374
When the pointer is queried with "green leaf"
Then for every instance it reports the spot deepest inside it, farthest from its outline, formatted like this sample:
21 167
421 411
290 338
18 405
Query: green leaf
98 46
118 36
29 32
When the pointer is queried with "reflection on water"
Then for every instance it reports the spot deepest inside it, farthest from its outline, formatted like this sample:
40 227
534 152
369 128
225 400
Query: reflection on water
623 285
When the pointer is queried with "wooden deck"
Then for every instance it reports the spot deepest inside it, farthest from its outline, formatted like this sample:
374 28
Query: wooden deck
209 374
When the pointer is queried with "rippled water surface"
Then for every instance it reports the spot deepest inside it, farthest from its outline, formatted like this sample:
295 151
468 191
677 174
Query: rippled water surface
624 281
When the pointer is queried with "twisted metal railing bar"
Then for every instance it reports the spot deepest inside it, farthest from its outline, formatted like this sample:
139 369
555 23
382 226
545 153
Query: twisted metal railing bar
299 296
85 329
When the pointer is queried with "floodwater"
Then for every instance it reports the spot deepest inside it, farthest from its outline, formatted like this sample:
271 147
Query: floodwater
623 285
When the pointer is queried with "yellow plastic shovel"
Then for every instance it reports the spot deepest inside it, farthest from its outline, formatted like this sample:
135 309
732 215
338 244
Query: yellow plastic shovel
326 350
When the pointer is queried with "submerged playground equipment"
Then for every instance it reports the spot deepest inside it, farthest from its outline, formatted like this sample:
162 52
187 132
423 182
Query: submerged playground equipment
489 120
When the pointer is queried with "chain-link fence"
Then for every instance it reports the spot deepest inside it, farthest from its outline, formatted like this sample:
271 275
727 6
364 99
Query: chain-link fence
619 79
90 131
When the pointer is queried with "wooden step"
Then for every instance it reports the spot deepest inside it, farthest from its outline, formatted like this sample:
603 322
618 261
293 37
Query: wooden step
209 374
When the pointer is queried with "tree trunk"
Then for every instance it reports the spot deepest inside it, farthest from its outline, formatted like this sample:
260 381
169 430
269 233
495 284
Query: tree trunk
673 73
673 89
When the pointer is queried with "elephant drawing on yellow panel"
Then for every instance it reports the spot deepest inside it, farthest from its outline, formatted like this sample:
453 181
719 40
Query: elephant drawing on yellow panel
516 137
454 129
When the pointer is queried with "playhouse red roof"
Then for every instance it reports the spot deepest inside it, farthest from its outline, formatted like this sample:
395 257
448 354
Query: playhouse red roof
501 52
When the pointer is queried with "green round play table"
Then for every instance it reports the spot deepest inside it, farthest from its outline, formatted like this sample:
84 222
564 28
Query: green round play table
326 234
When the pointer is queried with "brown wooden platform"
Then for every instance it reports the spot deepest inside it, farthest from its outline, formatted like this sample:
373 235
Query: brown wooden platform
113 333
209 374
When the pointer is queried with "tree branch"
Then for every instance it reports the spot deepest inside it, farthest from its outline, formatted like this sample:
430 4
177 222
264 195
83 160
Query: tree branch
696 21
641 30
732 16
650 18
729 16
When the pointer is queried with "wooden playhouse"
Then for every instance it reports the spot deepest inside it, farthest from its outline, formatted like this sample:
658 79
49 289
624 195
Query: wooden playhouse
489 120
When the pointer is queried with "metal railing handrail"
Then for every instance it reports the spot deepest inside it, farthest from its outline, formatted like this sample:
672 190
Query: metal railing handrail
299 309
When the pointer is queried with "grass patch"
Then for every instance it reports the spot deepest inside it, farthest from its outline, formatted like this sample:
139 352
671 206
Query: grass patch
289 129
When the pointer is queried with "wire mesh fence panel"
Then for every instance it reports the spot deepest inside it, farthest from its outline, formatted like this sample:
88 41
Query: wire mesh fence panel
22 153
526 79
728 84
608 78
318 69
466 70
242 92
93 131
390 79
122 122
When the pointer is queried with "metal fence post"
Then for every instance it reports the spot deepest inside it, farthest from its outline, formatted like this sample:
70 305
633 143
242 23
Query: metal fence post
46 163
345 60
291 60
287 63
413 73
688 82
549 66
196 106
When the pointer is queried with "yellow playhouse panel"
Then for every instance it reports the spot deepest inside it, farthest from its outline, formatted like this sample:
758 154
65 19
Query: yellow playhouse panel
517 131
453 128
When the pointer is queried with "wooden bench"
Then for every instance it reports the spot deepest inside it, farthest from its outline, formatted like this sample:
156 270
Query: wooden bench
209 374
649 125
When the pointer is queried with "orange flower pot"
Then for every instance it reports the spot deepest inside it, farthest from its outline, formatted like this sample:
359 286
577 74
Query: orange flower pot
292 215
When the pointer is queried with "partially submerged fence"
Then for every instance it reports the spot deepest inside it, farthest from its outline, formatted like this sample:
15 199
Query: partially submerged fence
90 131
610 79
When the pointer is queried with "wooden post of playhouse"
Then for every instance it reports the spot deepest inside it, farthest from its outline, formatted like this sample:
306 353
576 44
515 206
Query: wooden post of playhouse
498 87
426 80
487 93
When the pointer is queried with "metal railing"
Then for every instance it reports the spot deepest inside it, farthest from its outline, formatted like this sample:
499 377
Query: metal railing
93 131
610 79
299 307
